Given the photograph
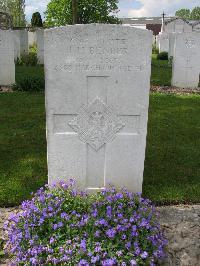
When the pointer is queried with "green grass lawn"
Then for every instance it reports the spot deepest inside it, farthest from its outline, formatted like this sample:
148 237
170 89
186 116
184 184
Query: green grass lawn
31 71
172 165
161 72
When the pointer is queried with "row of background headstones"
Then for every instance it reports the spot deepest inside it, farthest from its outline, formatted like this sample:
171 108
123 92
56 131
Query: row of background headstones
23 39
184 50
186 58
13 45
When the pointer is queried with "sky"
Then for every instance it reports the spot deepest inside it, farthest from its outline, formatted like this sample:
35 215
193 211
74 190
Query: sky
128 8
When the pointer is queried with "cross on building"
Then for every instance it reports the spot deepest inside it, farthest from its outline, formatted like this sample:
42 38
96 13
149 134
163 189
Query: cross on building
163 21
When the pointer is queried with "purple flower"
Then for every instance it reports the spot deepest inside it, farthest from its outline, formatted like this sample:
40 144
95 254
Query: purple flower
133 262
83 244
95 259
83 263
109 211
144 255
111 233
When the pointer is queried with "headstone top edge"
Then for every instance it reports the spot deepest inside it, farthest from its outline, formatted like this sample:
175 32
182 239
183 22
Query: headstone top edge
134 29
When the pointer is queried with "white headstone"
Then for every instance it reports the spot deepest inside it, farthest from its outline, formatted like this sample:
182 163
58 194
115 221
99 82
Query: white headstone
186 62
178 25
23 42
20 43
40 45
7 66
163 40
31 38
97 94
171 44
16 38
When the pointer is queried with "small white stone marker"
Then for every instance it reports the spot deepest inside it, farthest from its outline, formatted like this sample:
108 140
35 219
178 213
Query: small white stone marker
97 95
7 65
40 45
186 61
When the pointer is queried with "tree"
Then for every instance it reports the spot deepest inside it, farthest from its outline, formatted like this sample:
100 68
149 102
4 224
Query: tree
16 9
59 12
195 14
183 13
36 20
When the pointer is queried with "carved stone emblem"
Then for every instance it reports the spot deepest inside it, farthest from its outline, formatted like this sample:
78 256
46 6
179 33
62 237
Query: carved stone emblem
96 124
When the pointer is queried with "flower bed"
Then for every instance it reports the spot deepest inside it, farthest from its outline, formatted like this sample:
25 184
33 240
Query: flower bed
61 225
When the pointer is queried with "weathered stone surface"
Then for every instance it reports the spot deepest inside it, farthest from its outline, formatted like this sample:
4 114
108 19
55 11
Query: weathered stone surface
181 225
20 42
31 38
40 45
163 42
111 63
177 25
7 66
186 61
171 44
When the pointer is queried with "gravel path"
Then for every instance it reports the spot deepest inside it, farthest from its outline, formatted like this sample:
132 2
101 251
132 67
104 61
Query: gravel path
181 225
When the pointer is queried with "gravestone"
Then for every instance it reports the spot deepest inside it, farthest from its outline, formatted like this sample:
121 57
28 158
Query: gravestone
23 42
16 38
171 44
20 42
40 45
97 94
163 42
31 38
186 62
7 66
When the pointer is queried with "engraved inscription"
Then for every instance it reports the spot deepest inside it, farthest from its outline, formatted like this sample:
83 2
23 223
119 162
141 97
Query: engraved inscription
190 43
96 124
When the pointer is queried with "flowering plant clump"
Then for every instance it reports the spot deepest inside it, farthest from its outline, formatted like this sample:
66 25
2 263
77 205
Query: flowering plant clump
61 226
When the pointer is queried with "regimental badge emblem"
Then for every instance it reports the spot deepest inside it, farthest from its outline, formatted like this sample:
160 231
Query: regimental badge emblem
96 124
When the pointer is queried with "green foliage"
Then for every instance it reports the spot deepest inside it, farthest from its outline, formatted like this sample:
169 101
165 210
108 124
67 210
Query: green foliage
162 56
155 49
195 13
60 12
27 60
36 20
16 9
30 84
33 49
183 13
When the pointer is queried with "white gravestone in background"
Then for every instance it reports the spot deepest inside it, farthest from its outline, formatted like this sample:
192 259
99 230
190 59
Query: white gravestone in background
31 38
186 62
7 66
163 40
171 44
23 42
40 45
97 94
16 38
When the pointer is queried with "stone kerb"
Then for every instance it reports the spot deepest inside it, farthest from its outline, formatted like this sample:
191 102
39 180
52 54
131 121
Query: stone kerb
97 94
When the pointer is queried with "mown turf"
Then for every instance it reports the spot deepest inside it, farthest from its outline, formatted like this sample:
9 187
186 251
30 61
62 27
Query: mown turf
22 146
161 72
172 165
